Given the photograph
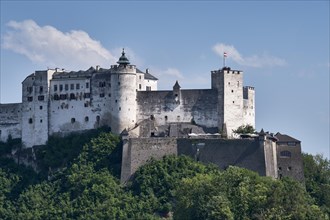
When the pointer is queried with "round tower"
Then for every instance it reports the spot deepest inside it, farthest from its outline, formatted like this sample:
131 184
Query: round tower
123 90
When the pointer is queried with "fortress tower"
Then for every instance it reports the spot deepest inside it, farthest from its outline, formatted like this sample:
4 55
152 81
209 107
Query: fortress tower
123 88
232 99
35 108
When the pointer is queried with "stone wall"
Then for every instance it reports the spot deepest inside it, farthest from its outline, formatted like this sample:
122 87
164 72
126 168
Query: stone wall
247 153
137 152
289 160
10 121
199 106
255 154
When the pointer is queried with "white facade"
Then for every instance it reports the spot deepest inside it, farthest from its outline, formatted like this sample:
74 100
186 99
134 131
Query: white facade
56 102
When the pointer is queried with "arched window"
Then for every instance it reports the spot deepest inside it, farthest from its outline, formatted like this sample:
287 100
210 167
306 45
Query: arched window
285 154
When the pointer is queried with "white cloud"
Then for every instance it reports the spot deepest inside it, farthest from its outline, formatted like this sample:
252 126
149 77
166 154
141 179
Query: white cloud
166 77
263 60
48 46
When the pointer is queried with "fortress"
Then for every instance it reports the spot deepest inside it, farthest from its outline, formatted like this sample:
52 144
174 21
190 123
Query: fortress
198 123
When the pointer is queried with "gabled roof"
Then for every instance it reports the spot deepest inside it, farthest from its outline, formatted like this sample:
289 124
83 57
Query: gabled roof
285 138
146 75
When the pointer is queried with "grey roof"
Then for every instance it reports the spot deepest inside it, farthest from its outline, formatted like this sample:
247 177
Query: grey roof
285 138
146 75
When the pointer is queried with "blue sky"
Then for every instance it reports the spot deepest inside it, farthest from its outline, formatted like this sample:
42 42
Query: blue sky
282 47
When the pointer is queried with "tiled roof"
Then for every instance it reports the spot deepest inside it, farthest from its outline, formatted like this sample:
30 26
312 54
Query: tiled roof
146 75
285 138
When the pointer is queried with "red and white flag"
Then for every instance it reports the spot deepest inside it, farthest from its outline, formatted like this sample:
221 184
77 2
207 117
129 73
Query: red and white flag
224 54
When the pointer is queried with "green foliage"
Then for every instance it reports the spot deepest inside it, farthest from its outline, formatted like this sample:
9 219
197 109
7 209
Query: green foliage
245 129
60 152
317 179
160 179
242 194
6 148
88 188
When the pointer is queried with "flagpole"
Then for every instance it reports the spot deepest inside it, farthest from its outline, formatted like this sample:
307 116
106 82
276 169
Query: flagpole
224 59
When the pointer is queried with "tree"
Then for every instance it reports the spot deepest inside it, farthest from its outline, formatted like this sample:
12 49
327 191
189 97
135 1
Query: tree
245 129
317 179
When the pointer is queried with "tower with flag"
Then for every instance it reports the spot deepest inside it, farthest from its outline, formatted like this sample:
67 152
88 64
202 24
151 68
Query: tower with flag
224 58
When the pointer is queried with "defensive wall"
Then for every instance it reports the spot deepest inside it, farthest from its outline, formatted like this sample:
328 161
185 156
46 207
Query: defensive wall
200 106
10 121
257 154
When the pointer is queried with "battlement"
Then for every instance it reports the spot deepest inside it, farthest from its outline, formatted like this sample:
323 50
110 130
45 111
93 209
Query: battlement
227 70
249 87
123 68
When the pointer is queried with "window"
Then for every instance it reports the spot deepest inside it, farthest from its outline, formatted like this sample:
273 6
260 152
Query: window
86 119
165 117
101 95
109 94
140 77
289 168
61 87
30 99
55 88
229 83
285 154
71 86
41 98
63 96
140 86
66 87
232 91
87 95
73 120
233 102
87 85
101 84
72 96
29 89
30 121
98 119
291 143
118 83
119 108
40 107
237 83
116 101
41 89
56 97
40 120
148 88
77 86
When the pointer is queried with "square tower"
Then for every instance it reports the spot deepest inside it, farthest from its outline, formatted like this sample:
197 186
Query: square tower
229 84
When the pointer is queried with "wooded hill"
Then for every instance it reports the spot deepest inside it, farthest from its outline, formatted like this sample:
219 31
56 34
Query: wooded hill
78 178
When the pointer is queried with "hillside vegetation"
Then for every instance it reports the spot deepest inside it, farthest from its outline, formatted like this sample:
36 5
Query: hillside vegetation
81 181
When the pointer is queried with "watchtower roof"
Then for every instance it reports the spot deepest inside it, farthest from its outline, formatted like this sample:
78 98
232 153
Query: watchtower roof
123 59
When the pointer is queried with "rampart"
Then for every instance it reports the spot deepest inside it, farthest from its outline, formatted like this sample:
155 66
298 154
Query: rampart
10 121
256 154
182 106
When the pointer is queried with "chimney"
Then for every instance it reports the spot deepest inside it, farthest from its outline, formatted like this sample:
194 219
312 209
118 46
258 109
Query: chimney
147 70
97 67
